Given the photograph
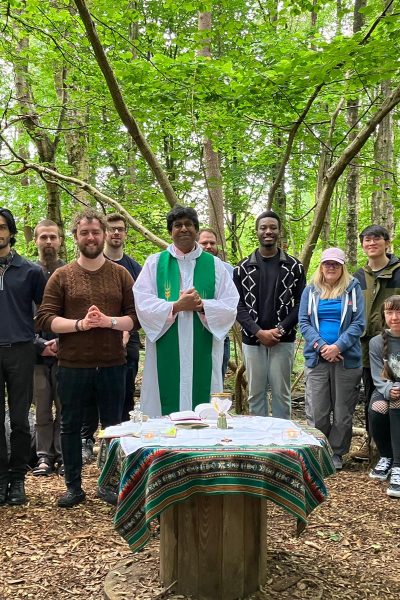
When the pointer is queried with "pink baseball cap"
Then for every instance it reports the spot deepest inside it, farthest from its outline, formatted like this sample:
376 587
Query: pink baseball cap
335 254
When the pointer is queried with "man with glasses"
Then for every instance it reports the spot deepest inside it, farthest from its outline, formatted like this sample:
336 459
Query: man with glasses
89 303
379 279
21 284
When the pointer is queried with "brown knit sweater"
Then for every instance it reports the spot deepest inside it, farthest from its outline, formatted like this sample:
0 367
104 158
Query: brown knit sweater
69 293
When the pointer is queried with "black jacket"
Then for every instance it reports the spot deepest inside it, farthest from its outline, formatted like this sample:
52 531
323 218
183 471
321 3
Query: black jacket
21 285
289 287
375 290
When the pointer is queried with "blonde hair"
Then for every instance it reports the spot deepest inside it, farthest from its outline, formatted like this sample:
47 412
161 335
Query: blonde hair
327 292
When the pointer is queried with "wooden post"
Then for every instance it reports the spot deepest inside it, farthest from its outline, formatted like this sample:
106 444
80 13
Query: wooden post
214 546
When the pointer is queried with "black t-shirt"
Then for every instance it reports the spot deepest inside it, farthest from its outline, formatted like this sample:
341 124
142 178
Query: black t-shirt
269 272
134 269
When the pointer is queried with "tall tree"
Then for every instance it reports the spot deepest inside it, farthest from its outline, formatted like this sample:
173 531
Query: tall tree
211 157
353 170
383 181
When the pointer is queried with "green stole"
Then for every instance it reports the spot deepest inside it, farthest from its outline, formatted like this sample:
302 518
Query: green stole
169 345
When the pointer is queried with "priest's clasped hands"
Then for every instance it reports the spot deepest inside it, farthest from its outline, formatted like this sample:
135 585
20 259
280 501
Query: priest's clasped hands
188 300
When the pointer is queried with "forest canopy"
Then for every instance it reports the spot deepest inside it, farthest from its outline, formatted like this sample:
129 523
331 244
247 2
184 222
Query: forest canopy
230 107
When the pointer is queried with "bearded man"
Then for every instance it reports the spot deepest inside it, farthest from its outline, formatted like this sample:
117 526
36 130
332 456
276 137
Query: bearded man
48 446
88 303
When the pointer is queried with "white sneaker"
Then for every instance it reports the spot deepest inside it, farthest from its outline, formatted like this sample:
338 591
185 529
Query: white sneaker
382 469
337 462
394 484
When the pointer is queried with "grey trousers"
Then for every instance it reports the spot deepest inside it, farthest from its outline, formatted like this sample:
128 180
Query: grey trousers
48 443
331 398
269 369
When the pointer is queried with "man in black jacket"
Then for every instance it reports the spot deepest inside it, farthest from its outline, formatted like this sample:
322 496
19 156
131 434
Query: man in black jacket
270 283
21 284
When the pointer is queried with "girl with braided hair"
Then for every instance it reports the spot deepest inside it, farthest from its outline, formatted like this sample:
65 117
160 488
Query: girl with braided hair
384 408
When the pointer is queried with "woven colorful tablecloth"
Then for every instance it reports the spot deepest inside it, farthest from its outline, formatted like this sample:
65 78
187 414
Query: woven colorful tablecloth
153 478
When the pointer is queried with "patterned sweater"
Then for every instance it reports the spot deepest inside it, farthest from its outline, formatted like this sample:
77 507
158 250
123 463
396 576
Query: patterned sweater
289 287
69 293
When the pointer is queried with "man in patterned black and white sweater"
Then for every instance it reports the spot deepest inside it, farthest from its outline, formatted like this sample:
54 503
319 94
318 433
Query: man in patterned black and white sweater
270 283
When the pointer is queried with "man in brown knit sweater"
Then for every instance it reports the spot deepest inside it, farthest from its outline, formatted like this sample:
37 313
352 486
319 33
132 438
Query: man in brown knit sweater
88 303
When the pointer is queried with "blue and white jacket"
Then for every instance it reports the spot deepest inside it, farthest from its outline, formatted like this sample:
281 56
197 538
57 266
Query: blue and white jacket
352 324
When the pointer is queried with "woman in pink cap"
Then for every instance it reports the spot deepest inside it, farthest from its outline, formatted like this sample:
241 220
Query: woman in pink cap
331 319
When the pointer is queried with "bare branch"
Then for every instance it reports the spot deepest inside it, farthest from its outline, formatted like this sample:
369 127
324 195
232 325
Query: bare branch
289 145
121 107
336 170
301 119
94 192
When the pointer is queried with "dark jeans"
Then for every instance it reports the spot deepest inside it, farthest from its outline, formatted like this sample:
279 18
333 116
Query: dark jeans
226 357
369 387
91 415
16 374
132 364
101 387
385 429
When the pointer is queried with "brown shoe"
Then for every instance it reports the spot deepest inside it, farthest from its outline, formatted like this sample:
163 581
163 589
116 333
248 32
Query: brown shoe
363 452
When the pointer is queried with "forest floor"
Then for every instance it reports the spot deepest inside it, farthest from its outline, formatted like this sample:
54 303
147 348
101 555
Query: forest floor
348 551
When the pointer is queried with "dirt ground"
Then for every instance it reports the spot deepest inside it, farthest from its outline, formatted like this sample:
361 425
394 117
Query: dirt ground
348 550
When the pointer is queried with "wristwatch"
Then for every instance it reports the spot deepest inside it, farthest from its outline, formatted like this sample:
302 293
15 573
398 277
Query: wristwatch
113 322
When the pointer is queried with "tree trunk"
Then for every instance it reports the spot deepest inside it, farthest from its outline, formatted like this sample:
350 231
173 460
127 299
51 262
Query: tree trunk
25 183
336 170
280 194
46 147
382 205
76 146
211 159
353 172
325 161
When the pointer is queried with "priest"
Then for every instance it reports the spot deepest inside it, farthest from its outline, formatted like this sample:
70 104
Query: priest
186 303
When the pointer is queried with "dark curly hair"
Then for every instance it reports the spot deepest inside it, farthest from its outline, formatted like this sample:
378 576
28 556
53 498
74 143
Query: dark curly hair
182 212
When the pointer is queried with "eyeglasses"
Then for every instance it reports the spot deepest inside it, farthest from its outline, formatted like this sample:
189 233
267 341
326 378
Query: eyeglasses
331 265
116 229
372 238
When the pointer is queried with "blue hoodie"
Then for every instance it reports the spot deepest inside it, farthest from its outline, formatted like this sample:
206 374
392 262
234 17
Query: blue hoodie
352 324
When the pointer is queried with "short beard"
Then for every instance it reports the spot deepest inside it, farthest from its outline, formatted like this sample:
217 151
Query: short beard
116 242
5 243
92 251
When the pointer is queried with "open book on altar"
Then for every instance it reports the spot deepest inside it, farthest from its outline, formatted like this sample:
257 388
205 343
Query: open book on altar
189 417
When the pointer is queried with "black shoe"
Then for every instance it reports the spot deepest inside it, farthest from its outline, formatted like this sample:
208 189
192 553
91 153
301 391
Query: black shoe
59 468
16 493
3 492
71 498
108 495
